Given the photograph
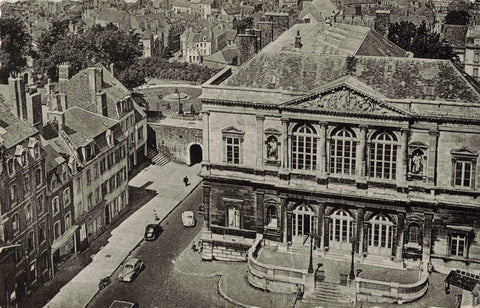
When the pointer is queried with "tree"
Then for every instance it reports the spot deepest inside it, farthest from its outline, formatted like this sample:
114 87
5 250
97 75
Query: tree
457 18
16 46
419 40
103 44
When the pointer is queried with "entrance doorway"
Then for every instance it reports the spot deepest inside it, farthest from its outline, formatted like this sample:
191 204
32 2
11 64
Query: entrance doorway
195 154
380 236
341 230
304 223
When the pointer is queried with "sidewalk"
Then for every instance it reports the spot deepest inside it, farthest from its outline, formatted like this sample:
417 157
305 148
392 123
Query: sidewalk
167 182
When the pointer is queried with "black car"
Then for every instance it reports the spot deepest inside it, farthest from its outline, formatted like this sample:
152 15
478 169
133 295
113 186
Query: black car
152 232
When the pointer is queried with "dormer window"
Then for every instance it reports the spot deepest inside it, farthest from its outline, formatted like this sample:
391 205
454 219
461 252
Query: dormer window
36 151
53 183
34 147
109 136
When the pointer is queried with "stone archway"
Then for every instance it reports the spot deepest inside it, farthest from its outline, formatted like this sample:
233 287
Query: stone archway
195 154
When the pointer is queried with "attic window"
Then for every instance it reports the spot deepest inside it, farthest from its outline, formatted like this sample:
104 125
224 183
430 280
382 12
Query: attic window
429 90
272 81
109 136
389 68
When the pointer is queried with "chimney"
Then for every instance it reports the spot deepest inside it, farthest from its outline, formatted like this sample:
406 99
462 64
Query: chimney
62 100
112 69
95 81
298 41
63 72
382 22
101 103
17 97
57 117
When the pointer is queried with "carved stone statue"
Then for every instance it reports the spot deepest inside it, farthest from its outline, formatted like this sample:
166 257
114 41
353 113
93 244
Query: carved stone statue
417 163
272 148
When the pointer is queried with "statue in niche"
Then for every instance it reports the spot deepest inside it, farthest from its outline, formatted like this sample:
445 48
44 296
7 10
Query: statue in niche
416 166
272 148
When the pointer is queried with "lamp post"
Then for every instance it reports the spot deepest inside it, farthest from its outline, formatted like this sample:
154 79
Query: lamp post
353 240
180 107
310 264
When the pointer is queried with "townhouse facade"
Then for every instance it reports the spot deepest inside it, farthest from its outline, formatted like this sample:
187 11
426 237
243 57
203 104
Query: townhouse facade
377 151
24 214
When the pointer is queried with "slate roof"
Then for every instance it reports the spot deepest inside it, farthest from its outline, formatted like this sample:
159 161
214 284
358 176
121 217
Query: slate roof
325 7
78 93
335 39
395 78
83 126
53 158
309 8
114 16
455 35
13 130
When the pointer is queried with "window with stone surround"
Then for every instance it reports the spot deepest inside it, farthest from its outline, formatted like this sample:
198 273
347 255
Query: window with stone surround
304 147
414 235
233 218
11 166
233 145
233 212
464 163
272 216
383 155
343 151
55 205
57 230
458 240
15 223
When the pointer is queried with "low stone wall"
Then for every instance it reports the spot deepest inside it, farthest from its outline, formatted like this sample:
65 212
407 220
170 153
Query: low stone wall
276 278
390 292
223 248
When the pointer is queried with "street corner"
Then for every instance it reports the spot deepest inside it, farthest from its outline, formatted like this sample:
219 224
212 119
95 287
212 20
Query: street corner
190 262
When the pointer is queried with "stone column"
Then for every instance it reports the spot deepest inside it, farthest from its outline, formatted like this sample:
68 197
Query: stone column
432 157
427 237
360 229
284 146
400 236
260 120
322 140
402 157
260 211
206 204
284 220
206 138
361 162
320 221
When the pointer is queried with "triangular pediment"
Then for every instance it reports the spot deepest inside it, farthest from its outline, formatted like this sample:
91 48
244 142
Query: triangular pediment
343 97
464 152
232 130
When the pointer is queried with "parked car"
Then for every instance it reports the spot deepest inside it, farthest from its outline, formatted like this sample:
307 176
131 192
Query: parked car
152 231
131 269
188 219
123 304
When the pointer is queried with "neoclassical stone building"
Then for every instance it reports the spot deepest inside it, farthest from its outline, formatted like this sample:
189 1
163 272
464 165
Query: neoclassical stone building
380 150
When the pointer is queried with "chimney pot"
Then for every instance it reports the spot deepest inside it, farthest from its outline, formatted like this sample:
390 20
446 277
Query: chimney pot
298 40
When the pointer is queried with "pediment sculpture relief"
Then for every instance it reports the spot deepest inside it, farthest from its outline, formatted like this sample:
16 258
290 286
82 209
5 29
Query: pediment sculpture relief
345 100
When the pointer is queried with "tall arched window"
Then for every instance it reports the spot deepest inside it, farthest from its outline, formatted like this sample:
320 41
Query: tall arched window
381 232
383 156
342 226
304 148
343 152
414 234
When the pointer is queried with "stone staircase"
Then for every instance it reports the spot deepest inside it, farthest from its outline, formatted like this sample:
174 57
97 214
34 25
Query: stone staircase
157 158
329 294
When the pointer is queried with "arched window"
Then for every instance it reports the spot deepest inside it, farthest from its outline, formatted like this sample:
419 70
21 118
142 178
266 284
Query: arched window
68 221
383 156
30 242
36 151
304 148
272 216
24 158
343 152
342 226
14 223
57 230
55 205
414 234
381 232
38 177
11 166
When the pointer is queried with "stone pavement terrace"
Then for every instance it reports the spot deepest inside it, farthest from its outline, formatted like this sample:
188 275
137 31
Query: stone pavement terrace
299 259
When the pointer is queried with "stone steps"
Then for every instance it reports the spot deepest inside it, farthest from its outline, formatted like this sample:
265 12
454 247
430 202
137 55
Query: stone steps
327 292
157 158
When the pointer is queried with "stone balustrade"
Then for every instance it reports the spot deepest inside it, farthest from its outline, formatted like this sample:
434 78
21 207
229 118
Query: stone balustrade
389 292
276 278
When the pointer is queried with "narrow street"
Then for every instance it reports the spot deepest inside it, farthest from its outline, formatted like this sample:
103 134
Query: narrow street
158 285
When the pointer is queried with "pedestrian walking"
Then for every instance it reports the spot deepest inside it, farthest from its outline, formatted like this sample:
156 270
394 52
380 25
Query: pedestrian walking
185 180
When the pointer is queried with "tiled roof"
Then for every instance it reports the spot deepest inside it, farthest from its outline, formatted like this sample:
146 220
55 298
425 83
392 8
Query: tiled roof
83 126
325 7
230 34
335 39
114 16
455 35
396 78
